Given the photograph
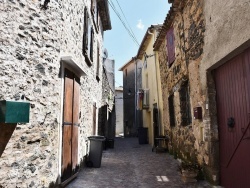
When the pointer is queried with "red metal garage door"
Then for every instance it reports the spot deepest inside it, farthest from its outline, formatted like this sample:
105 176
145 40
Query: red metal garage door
233 109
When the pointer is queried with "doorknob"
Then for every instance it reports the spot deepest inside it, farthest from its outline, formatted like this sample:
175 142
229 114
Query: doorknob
230 122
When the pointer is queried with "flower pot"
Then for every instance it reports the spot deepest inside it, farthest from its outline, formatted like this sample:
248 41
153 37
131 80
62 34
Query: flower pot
189 176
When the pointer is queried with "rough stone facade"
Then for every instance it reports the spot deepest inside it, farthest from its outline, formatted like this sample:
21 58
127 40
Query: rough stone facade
33 41
206 35
181 81
107 116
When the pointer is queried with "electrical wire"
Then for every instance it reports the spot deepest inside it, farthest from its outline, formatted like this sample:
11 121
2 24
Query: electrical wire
126 20
123 23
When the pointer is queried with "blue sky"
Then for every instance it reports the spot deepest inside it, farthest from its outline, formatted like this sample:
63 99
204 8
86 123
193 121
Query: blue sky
140 14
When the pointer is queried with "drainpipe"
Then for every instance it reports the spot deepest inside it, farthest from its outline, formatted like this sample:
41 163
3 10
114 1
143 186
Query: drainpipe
135 93
153 35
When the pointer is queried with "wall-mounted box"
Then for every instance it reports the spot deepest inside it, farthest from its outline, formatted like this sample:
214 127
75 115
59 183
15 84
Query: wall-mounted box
14 112
197 113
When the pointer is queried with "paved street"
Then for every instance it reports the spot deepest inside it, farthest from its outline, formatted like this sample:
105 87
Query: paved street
132 165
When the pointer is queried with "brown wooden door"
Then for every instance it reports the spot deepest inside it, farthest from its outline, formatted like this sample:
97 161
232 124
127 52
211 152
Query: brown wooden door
70 125
233 89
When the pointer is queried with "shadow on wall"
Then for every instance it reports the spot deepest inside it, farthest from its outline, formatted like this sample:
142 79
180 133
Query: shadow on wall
6 132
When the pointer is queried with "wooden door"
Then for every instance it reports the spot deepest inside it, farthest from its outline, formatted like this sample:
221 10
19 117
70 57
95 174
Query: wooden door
155 121
233 89
70 125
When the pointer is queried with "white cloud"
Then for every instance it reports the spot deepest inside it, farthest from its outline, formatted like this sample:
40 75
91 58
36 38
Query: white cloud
140 25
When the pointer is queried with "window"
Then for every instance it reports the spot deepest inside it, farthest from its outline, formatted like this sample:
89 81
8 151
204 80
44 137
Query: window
98 63
170 46
93 7
88 39
171 110
185 108
91 43
95 14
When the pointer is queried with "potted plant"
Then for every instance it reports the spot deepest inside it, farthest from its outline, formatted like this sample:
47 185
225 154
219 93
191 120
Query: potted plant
189 171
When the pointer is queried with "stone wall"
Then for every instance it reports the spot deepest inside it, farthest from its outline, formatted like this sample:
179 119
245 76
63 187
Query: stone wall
108 99
186 140
33 40
119 110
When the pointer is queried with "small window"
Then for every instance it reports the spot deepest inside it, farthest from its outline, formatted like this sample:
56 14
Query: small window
185 109
171 110
170 46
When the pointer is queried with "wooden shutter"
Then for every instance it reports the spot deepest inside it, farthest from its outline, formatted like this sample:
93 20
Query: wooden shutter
98 63
170 46
85 31
91 47
93 7
94 118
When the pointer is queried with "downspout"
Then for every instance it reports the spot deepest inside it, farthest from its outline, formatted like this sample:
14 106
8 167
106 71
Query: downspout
135 93
156 85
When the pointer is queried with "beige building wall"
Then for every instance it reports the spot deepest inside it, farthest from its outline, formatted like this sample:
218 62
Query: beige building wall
227 33
151 81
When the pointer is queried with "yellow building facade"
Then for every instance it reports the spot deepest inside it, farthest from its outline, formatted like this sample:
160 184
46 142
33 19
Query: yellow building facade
151 88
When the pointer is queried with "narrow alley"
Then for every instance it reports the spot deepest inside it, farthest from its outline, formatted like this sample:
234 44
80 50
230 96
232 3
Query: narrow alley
132 165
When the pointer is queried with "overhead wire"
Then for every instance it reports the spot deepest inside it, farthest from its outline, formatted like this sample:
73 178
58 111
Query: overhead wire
124 24
131 34
126 20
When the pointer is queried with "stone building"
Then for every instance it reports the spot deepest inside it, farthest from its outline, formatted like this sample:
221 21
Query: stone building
203 50
50 56
119 110
107 113
131 83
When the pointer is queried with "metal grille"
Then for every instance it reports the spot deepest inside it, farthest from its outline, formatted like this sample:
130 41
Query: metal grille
185 109
171 110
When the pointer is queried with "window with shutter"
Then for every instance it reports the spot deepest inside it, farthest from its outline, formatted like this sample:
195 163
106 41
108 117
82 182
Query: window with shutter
170 46
91 43
94 12
93 7
171 110
88 39
98 63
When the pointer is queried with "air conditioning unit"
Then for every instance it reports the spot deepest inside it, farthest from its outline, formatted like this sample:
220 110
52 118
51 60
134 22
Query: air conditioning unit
145 102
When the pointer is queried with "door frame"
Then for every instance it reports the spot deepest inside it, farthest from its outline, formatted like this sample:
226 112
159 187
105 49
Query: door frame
69 63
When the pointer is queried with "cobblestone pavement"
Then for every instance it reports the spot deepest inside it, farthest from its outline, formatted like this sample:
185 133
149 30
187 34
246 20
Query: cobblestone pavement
132 165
